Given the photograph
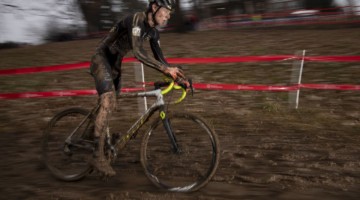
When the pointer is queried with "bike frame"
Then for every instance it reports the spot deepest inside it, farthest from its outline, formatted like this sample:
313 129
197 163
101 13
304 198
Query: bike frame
158 105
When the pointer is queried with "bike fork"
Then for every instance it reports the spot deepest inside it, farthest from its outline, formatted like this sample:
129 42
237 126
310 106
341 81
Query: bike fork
170 132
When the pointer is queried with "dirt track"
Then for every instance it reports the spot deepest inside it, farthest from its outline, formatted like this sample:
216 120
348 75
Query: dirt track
269 151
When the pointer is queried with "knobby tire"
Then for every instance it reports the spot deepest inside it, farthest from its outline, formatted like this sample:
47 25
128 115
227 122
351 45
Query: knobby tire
193 167
68 162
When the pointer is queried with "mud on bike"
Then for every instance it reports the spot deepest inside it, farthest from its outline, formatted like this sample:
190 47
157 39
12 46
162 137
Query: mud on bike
179 152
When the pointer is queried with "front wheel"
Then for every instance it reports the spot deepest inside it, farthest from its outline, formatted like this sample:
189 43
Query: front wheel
193 164
67 157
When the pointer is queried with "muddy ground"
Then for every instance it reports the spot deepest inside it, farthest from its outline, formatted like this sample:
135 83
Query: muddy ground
269 150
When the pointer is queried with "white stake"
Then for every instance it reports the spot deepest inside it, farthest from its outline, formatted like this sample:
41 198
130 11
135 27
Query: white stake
143 82
299 80
140 77
296 78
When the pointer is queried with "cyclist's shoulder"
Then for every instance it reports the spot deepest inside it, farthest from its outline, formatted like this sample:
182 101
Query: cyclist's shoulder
140 15
131 19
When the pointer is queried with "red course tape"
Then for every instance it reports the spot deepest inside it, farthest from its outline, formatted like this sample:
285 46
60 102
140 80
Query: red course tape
333 58
210 60
205 86
63 93
330 87
200 86
28 70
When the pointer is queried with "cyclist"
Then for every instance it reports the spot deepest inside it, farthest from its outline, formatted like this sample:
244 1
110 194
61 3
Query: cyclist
127 34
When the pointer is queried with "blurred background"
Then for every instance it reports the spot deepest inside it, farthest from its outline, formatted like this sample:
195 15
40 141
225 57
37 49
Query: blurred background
38 22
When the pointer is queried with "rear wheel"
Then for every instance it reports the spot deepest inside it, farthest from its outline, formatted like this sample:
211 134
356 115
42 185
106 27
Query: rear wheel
188 169
67 157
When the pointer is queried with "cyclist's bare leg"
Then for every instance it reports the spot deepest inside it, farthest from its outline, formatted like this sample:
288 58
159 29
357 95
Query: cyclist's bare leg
100 162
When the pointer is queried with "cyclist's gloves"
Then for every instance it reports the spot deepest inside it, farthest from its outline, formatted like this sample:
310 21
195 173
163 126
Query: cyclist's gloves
174 72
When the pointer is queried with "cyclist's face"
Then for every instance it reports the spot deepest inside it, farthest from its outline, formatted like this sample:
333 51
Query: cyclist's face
162 16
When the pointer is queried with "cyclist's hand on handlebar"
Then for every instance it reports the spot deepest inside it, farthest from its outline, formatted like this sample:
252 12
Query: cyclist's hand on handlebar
177 74
183 82
187 85
174 72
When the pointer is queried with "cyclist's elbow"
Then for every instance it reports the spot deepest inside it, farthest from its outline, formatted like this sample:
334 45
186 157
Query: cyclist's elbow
138 55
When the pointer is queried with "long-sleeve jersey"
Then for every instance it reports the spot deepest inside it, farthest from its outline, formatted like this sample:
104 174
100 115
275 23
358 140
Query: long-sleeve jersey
130 34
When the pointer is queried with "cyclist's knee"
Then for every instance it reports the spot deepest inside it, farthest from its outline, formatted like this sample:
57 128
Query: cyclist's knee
108 101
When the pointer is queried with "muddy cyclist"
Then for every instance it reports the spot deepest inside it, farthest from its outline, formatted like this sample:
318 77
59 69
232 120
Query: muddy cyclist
127 34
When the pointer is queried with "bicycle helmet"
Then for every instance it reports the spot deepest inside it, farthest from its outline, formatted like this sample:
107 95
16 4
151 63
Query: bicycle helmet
169 4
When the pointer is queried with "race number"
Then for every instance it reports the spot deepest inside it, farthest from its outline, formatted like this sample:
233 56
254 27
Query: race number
136 31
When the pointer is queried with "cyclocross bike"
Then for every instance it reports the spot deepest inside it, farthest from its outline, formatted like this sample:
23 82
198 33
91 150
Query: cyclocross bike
179 152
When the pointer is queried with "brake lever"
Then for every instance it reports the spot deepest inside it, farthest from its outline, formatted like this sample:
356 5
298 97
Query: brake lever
185 86
191 87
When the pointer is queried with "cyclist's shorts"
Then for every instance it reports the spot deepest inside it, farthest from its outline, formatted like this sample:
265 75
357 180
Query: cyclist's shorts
101 72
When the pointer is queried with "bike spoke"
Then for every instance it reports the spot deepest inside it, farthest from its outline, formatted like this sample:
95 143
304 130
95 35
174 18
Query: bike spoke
185 171
68 144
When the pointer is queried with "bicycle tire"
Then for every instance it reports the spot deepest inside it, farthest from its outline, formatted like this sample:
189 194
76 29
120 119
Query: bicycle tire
68 162
185 171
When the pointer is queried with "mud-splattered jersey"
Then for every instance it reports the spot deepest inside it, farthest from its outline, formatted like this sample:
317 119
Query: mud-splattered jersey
129 34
